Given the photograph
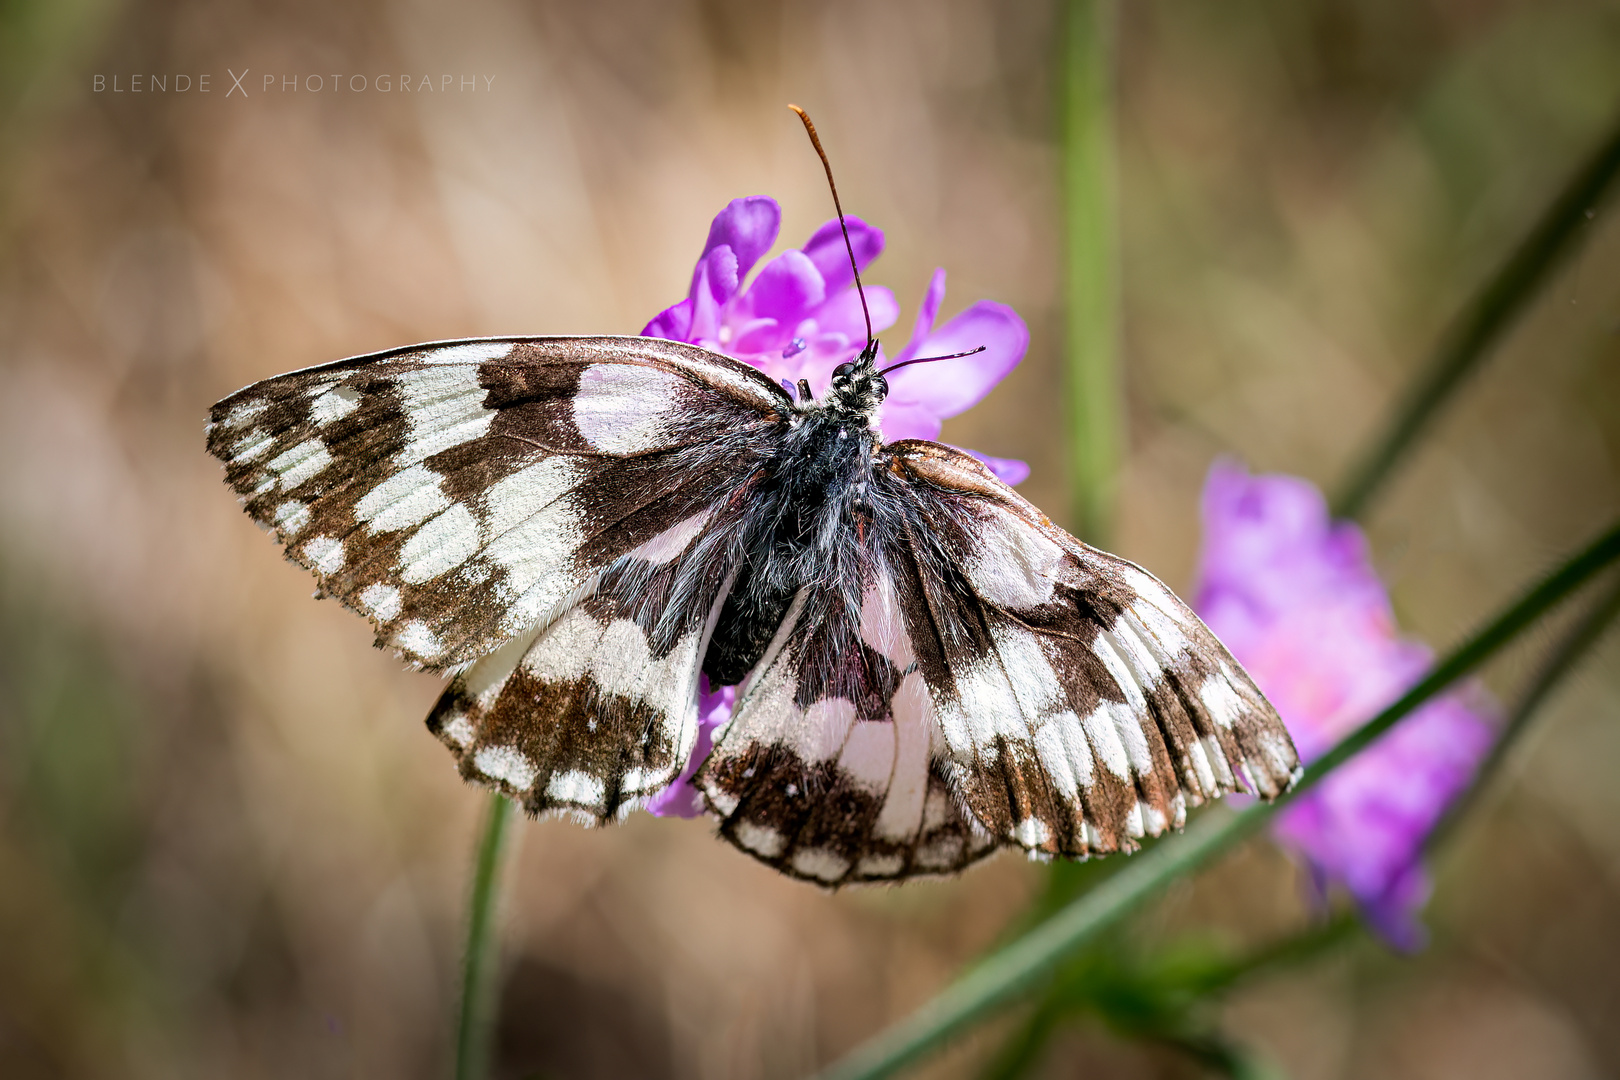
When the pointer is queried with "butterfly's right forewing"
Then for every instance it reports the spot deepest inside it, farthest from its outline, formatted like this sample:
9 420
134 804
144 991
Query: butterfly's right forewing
457 494
550 518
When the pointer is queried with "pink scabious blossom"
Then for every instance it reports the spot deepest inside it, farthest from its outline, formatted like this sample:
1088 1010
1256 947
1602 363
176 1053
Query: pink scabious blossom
799 318
680 798
1293 595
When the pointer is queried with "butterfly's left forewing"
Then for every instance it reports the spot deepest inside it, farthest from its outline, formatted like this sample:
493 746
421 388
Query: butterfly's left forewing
974 678
547 517
1081 705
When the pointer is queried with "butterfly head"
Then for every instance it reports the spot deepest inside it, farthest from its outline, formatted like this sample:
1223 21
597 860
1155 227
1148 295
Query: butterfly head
858 388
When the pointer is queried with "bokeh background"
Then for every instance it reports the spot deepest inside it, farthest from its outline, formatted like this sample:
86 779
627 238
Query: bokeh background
228 847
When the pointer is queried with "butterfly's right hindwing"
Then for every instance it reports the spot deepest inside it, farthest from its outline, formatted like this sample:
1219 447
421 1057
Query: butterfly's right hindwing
828 769
595 711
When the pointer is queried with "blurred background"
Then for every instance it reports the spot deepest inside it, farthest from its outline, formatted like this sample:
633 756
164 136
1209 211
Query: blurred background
228 847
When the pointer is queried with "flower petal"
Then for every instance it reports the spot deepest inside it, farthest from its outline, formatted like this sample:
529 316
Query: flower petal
842 312
706 304
1009 471
926 314
717 271
826 249
757 336
898 420
748 226
671 324
1293 594
786 289
953 386
680 798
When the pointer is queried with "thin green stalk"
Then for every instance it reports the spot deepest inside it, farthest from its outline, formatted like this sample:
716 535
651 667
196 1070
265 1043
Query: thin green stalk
1289 952
1023 1049
1029 962
475 1021
1483 321
1219 1055
1091 283
1560 661
1025 1046
1175 995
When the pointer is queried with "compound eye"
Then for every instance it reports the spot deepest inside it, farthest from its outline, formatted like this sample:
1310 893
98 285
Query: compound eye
843 372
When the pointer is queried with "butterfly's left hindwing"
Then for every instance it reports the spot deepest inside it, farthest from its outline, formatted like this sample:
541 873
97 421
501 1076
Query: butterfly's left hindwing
597 710
828 769
550 511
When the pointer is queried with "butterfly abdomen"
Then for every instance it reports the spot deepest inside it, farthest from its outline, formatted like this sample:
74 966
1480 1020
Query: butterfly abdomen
802 532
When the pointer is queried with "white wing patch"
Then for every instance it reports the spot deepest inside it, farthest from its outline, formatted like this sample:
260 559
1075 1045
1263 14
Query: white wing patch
443 543
1012 565
673 541
534 526
325 553
469 352
300 463
403 500
620 408
882 625
292 516
906 752
506 763
382 601
444 407
334 405
418 638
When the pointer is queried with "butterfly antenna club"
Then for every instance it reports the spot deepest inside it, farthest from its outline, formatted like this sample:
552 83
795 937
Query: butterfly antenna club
815 140
931 359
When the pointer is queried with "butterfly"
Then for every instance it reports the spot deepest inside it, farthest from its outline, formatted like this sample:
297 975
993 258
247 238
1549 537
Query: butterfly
576 529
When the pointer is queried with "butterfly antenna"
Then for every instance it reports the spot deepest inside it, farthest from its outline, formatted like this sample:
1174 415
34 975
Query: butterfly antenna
815 141
931 359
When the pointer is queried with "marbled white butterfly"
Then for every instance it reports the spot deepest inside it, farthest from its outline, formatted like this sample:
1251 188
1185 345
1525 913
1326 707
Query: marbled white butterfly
575 528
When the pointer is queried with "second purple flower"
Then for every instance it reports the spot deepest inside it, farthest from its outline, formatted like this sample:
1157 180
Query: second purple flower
1293 594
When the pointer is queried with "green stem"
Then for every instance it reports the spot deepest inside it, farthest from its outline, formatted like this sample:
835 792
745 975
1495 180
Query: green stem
1289 952
1219 1055
1559 662
1091 286
475 1021
1022 1052
1488 315
1027 963
1024 1047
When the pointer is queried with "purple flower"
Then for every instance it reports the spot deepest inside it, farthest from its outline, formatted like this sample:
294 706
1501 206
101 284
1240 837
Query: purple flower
1293 595
800 317
681 799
